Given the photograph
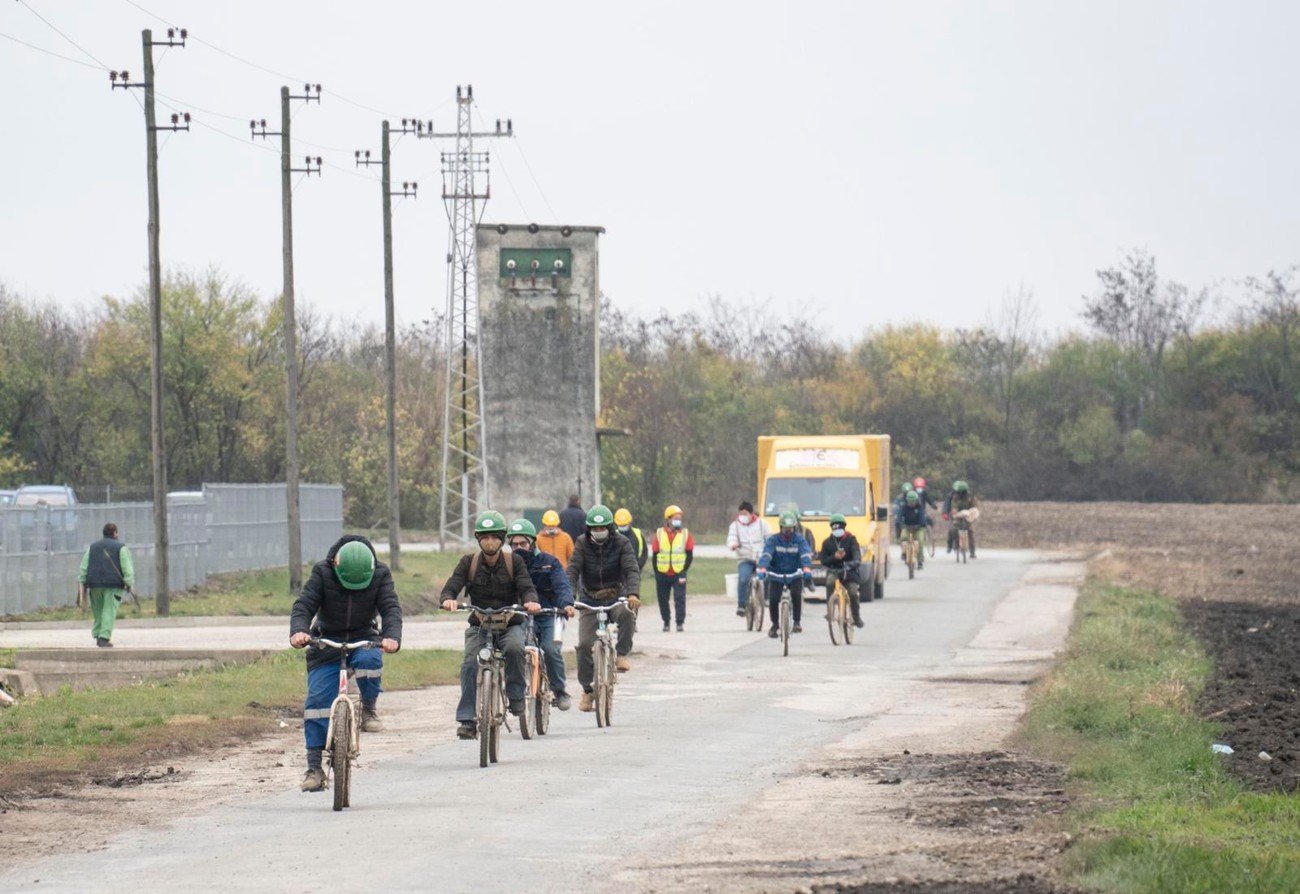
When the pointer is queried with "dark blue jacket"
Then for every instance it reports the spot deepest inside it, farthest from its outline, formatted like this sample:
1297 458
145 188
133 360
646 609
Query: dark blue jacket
553 590
785 557
912 515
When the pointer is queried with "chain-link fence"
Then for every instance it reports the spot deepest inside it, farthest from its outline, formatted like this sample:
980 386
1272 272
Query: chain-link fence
233 527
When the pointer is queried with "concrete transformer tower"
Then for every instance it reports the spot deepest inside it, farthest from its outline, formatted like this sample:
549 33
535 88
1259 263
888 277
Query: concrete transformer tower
539 325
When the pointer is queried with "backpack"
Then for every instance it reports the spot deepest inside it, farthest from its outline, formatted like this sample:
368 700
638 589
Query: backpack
473 568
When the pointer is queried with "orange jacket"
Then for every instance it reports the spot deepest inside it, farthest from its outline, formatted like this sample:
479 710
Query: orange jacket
558 544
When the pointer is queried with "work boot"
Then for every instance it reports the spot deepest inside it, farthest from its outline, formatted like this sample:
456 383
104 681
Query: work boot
624 664
103 643
562 701
774 633
587 702
516 706
467 730
314 781
665 628
796 629
740 613
370 721
857 622
680 628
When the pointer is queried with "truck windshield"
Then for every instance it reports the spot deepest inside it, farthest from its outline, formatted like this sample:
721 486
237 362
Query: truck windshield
816 496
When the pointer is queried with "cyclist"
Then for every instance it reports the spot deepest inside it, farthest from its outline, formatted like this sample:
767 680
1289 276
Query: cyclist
842 557
959 500
745 538
491 578
553 591
674 549
603 566
785 552
346 591
927 501
552 539
899 502
912 521
623 523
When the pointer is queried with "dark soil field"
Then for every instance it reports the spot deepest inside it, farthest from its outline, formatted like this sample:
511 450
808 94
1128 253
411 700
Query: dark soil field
1230 568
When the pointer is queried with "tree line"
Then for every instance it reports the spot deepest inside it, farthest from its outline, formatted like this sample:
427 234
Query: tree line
1161 395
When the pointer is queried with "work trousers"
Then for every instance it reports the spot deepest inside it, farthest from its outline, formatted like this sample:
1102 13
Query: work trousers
587 625
774 598
850 583
104 602
512 647
667 586
323 688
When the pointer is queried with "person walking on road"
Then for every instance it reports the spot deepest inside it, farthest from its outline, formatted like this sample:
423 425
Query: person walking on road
745 538
673 549
603 567
841 556
491 578
346 592
107 573
623 524
553 591
786 553
553 539
573 520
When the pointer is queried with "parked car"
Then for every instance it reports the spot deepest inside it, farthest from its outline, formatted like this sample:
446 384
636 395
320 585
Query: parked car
53 495
61 500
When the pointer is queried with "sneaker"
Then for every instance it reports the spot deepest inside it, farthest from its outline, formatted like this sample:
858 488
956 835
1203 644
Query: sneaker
370 722
563 702
516 706
467 730
314 781
624 664
103 643
680 628
740 613
796 629
665 628
587 702
857 622
774 633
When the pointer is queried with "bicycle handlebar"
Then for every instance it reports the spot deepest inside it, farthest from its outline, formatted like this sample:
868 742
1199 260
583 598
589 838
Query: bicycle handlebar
622 600
503 610
776 575
359 644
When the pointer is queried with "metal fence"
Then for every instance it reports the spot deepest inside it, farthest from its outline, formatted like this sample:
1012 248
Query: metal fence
234 527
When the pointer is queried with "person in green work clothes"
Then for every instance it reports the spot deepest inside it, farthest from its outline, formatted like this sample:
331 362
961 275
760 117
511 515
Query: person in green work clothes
107 573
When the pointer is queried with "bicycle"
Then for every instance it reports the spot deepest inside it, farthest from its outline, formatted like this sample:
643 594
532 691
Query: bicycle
536 718
785 611
756 607
912 549
343 737
604 660
962 522
839 614
490 696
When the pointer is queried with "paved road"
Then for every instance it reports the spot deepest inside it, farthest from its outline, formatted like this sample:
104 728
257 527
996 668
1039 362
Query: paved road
705 723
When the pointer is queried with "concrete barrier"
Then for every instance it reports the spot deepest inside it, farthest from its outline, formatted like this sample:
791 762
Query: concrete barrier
94 668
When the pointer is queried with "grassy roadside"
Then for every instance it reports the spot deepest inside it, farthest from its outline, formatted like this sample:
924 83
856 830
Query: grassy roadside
47 740
1155 811
255 593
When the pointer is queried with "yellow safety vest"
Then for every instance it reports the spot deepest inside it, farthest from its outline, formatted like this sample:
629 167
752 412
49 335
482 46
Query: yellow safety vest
671 555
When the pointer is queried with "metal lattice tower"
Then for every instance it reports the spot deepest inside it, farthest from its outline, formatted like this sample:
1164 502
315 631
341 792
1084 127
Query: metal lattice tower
464 490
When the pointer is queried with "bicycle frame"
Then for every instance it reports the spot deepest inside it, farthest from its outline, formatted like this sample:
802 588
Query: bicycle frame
354 740
605 672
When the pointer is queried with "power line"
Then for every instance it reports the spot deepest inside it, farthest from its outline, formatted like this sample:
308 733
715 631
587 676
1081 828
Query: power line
32 46
542 192
83 50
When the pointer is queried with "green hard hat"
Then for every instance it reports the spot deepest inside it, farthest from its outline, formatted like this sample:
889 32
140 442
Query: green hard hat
523 526
788 520
490 522
912 497
960 486
838 519
907 487
599 516
356 565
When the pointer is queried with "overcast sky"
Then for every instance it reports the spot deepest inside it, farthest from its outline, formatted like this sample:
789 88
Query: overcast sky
875 162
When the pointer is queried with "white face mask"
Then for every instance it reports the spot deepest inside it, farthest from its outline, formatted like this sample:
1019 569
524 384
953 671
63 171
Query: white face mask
744 518
600 536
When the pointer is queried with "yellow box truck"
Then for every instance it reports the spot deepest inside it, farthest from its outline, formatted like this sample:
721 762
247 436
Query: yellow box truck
818 476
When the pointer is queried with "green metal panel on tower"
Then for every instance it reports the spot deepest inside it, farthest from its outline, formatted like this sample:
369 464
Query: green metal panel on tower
535 262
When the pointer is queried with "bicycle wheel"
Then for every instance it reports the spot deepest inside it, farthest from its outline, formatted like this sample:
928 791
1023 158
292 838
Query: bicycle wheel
963 545
929 541
609 705
785 627
834 614
600 658
846 617
498 712
528 719
543 708
341 755
486 691
757 603
911 559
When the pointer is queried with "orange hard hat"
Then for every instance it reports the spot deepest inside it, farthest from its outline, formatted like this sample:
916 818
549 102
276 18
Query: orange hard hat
551 518
672 510
622 517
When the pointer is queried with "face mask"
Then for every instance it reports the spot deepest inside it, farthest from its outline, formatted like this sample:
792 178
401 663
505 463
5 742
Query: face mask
677 523
838 532
744 518
600 536
522 550
550 531
787 534
624 529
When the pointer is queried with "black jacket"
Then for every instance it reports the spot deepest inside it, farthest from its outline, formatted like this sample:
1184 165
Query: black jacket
492 586
852 552
599 566
326 608
573 521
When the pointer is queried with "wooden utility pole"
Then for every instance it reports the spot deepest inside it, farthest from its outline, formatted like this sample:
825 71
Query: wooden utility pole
287 170
390 329
162 576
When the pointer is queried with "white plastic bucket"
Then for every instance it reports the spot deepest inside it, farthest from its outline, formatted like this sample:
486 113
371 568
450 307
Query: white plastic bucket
732 582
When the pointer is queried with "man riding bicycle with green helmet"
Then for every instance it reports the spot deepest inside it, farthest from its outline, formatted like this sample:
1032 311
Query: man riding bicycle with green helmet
603 567
491 578
912 522
841 556
960 499
346 592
